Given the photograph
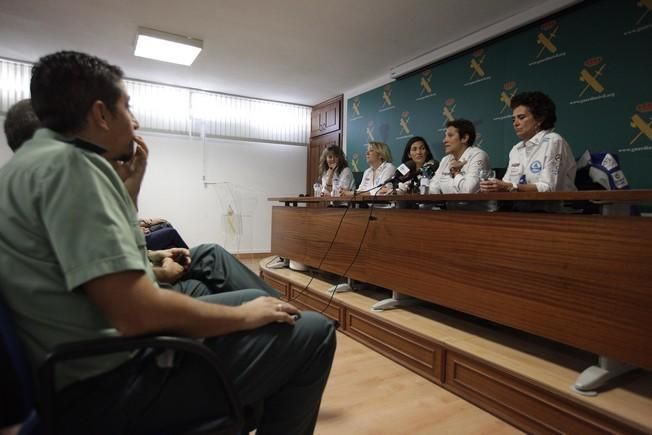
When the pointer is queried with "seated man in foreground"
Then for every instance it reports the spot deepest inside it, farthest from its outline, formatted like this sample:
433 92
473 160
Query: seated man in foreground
89 277
203 270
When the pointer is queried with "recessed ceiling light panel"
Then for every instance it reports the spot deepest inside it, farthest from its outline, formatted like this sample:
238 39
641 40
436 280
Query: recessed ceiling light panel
167 47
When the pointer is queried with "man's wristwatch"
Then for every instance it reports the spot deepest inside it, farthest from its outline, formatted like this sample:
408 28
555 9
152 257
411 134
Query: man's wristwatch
513 188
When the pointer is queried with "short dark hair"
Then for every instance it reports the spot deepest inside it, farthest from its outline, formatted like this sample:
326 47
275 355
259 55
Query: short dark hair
408 145
65 85
337 152
540 105
20 124
464 128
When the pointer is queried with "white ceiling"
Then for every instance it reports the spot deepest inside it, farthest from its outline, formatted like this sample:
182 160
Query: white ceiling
300 51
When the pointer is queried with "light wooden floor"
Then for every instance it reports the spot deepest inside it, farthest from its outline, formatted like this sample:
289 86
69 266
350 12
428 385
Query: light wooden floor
369 394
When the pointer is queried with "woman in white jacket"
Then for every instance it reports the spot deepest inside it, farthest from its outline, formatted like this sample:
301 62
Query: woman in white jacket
542 161
459 170
380 170
334 172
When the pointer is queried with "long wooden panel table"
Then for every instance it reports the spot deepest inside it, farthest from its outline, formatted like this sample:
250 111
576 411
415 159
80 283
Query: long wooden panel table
583 280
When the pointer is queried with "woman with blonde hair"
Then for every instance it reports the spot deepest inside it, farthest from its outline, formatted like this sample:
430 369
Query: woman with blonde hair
381 169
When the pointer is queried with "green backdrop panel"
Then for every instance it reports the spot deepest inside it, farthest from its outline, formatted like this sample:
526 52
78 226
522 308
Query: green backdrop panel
594 60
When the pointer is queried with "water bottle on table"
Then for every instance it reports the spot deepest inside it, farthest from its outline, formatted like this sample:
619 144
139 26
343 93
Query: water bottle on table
317 189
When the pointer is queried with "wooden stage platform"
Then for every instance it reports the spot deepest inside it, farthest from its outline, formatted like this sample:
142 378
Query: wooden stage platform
524 379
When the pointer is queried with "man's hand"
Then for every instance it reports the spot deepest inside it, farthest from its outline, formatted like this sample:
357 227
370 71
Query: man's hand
169 271
148 222
133 171
266 309
181 254
170 265
133 305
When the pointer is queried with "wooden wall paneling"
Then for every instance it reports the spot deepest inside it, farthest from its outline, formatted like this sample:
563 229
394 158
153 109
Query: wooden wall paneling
304 299
581 280
416 353
523 404
280 285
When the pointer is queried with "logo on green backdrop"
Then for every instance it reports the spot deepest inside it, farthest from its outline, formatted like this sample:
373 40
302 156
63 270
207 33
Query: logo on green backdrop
404 125
476 64
641 122
426 87
591 75
647 6
387 99
354 162
642 21
546 39
370 131
644 127
355 107
506 95
426 76
448 111
478 73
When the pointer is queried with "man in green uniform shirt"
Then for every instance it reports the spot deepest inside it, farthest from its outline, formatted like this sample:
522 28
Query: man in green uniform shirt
206 269
74 266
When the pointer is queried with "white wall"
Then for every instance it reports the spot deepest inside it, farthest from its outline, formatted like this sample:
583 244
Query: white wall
174 186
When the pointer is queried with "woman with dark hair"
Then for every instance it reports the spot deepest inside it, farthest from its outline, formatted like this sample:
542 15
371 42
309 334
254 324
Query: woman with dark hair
417 150
334 172
542 161
459 171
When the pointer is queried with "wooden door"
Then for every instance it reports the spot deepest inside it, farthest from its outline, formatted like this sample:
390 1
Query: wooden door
325 117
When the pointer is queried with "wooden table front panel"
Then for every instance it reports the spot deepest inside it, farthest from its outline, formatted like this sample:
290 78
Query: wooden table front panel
581 280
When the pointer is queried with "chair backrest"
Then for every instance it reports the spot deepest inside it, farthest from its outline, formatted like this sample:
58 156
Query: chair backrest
17 404
16 376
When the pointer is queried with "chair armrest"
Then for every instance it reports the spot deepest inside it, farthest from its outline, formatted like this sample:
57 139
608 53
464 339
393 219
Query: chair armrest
104 346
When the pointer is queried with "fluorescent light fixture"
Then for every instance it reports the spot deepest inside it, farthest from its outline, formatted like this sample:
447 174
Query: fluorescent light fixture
167 47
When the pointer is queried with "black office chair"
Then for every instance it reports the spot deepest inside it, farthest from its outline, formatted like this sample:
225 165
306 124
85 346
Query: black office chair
38 416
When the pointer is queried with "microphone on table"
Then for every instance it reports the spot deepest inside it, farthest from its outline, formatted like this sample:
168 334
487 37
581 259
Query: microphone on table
405 172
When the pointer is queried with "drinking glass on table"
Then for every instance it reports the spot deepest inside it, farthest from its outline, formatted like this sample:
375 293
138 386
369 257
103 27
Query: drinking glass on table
487 174
424 184
317 189
336 188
